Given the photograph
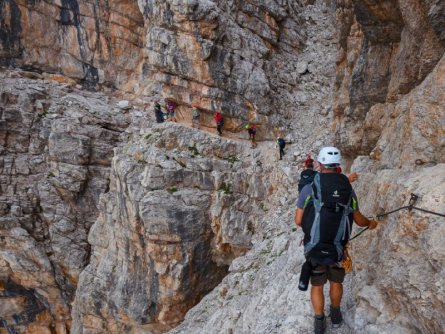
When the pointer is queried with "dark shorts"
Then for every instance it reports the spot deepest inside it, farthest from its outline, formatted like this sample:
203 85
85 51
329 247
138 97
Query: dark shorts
322 273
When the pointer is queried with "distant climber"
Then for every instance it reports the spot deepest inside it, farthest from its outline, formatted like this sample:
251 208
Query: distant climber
158 112
307 175
196 117
281 145
325 211
219 122
251 129
170 107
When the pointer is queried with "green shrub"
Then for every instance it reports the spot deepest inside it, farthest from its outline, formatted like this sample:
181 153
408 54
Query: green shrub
232 159
172 190
193 150
225 188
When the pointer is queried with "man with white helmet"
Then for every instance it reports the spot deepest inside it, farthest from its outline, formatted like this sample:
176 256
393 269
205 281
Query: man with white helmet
325 211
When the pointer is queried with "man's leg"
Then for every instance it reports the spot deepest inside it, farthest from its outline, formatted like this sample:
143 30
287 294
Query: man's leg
335 292
335 276
318 280
317 299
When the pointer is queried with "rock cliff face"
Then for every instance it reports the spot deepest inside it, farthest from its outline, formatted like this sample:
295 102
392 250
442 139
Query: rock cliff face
97 43
245 59
181 206
391 84
112 224
74 151
387 107
186 205
386 50
56 150
249 59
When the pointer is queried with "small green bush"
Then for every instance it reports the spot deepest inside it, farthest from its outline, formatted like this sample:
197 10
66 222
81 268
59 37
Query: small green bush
172 190
225 188
193 150
232 159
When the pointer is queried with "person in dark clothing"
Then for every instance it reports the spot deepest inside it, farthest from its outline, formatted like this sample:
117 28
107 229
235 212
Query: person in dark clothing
281 145
157 110
196 117
307 175
158 113
251 129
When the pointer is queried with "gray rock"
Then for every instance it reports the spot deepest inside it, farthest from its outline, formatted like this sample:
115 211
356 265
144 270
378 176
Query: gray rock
124 104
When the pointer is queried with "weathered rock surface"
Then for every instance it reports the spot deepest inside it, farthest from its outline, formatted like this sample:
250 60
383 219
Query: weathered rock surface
404 274
56 150
260 295
97 43
389 107
244 59
386 50
182 208
182 205
153 179
391 84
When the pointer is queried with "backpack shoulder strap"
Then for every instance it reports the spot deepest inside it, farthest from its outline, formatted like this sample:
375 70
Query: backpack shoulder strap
344 230
318 204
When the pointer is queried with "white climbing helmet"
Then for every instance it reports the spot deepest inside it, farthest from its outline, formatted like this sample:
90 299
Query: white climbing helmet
329 155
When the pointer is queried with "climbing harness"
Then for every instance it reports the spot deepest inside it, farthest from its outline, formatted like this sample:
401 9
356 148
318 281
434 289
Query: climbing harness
347 262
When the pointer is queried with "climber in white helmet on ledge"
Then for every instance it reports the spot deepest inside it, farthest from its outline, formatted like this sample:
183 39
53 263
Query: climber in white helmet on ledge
325 211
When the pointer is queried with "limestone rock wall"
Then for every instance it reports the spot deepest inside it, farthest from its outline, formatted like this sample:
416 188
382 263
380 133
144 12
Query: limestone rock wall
56 150
386 49
398 283
389 108
388 117
181 209
250 60
267 62
257 61
182 205
97 43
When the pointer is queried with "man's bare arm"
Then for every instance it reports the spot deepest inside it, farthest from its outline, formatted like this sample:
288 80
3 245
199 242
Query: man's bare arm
361 220
298 216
